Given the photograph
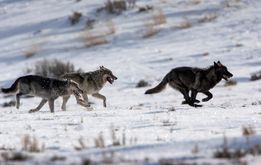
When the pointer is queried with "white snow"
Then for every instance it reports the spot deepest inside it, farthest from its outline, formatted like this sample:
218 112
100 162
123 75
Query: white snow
156 126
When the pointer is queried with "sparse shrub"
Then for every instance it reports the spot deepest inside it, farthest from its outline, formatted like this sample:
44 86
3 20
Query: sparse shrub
90 23
94 37
256 103
159 18
110 27
53 68
142 83
115 6
99 141
86 162
232 3
195 2
152 27
145 8
35 48
168 123
184 24
9 104
230 83
150 30
81 143
131 3
248 131
57 158
31 144
255 76
195 149
91 39
239 45
75 17
14 156
207 18
224 152
115 140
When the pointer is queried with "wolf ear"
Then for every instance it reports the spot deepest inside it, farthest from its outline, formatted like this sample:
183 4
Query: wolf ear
215 64
102 67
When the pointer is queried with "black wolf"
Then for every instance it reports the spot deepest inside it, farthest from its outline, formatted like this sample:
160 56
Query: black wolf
186 79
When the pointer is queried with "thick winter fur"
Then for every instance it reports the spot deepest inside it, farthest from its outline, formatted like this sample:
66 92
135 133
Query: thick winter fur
91 83
46 88
186 79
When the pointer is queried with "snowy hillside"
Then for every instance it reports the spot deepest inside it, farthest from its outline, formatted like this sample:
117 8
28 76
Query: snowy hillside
143 42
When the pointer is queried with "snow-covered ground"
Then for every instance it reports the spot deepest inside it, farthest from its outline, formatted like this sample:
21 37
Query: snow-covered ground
155 127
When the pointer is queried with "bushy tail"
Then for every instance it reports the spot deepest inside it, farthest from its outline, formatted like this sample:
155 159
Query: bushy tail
12 89
159 87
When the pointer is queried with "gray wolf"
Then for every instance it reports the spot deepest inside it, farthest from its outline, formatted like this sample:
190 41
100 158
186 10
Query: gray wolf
186 79
91 83
47 88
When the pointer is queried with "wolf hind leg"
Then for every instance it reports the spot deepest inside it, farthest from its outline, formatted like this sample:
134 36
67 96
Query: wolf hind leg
65 100
209 96
51 105
190 100
18 95
39 106
100 96
193 98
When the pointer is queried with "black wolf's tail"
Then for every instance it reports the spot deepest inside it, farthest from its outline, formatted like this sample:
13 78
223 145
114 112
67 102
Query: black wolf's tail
159 87
12 89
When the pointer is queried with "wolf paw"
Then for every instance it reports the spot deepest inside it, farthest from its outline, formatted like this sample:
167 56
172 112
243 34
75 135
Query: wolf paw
185 102
195 105
205 99
32 110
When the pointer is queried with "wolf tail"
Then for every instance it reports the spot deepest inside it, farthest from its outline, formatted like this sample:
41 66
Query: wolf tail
159 87
12 89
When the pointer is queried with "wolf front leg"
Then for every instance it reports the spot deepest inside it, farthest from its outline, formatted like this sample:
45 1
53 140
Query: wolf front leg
100 96
83 102
39 106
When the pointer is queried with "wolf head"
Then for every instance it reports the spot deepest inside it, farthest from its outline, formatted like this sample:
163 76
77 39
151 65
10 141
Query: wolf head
107 75
221 71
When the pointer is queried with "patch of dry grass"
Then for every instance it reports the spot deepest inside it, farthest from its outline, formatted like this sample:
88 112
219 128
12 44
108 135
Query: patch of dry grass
31 144
207 18
152 26
33 50
195 2
93 37
185 24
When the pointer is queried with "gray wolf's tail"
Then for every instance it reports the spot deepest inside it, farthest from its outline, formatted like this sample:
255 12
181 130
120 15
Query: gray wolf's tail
12 89
159 87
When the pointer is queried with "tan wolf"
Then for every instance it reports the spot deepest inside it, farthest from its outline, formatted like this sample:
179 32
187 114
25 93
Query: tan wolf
186 79
91 83
47 88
